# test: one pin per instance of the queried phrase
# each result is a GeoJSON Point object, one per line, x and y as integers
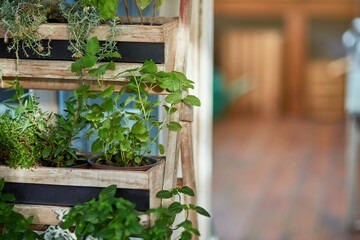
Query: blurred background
{"type": "Point", "coordinates": [285, 146]}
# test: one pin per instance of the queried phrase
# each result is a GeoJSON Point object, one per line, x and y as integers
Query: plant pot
{"type": "Point", "coordinates": [94, 165]}
{"type": "Point", "coordinates": [81, 164]}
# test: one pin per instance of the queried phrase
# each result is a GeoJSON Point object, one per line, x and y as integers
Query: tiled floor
{"type": "Point", "coordinates": [279, 180]}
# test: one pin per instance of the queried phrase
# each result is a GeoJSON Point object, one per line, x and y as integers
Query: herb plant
{"type": "Point", "coordinates": [124, 137]}
{"type": "Point", "coordinates": [111, 218]}
{"type": "Point", "coordinates": [20, 144]}
{"type": "Point", "coordinates": [163, 228]}
{"type": "Point", "coordinates": [22, 18]}
{"type": "Point", "coordinates": [14, 225]}
{"type": "Point", "coordinates": [106, 218]}
{"type": "Point", "coordinates": [56, 138]}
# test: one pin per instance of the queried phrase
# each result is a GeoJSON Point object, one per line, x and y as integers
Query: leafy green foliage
{"type": "Point", "coordinates": [106, 218]}
{"type": "Point", "coordinates": [20, 144]}
{"type": "Point", "coordinates": [60, 152]}
{"type": "Point", "coordinates": [53, 140]}
{"type": "Point", "coordinates": [94, 53]}
{"type": "Point", "coordinates": [163, 228]}
{"type": "Point", "coordinates": [14, 225]}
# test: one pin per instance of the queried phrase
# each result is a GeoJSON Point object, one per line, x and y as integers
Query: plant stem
{"type": "Point", "coordinates": [127, 11]}
{"type": "Point", "coordinates": [140, 12]}
{"type": "Point", "coordinates": [154, 14]}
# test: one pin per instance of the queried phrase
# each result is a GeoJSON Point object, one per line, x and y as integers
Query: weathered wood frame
{"type": "Point", "coordinates": [151, 180]}
{"type": "Point", "coordinates": [37, 74]}
{"type": "Point", "coordinates": [56, 75]}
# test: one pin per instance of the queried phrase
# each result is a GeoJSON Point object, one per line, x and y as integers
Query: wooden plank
{"type": "Point", "coordinates": [44, 214]}
{"type": "Point", "coordinates": [57, 70]}
{"type": "Point", "coordinates": [188, 167]}
{"type": "Point", "coordinates": [255, 9]}
{"type": "Point", "coordinates": [171, 39]}
{"type": "Point", "coordinates": [56, 75]}
{"type": "Point", "coordinates": [186, 113]}
{"type": "Point", "coordinates": [296, 54]}
{"type": "Point", "coordinates": [156, 180]}
{"type": "Point", "coordinates": [78, 177]}
{"type": "Point", "coordinates": [129, 33]}
{"type": "Point", "coordinates": [172, 157]}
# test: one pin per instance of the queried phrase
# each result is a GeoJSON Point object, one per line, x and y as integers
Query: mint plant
{"type": "Point", "coordinates": [123, 137]}
{"type": "Point", "coordinates": [107, 218]}
{"type": "Point", "coordinates": [93, 54]}
{"type": "Point", "coordinates": [163, 228]}
{"type": "Point", "coordinates": [13, 224]}
{"type": "Point", "coordinates": [111, 218]}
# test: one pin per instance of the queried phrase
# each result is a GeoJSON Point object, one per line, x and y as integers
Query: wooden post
{"type": "Point", "coordinates": [170, 177]}
{"type": "Point", "coordinates": [352, 173]}
{"type": "Point", "coordinates": [296, 54]}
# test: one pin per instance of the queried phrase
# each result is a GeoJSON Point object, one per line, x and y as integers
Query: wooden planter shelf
{"type": "Point", "coordinates": [150, 180]}
{"type": "Point", "coordinates": [136, 43]}
{"type": "Point", "coordinates": [165, 42]}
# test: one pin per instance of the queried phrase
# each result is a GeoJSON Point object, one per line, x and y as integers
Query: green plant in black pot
{"type": "Point", "coordinates": [56, 138]}
{"type": "Point", "coordinates": [123, 137]}
{"type": "Point", "coordinates": [66, 129]}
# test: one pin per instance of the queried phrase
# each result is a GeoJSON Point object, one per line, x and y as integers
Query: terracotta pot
{"type": "Point", "coordinates": [93, 165]}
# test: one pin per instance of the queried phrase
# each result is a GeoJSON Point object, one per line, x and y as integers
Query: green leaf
{"type": "Point", "coordinates": [202, 211]}
{"type": "Point", "coordinates": [92, 217]}
{"type": "Point", "coordinates": [175, 207]}
{"type": "Point", "coordinates": [78, 65]}
{"type": "Point", "coordinates": [174, 97]}
{"type": "Point", "coordinates": [68, 223]}
{"type": "Point", "coordinates": [188, 191]}
{"type": "Point", "coordinates": [97, 146]}
{"type": "Point", "coordinates": [2, 183]}
{"type": "Point", "coordinates": [90, 228]}
{"type": "Point", "coordinates": [101, 70]}
{"type": "Point", "coordinates": [149, 67]}
{"type": "Point", "coordinates": [161, 149]}
{"type": "Point", "coordinates": [107, 8]}
{"type": "Point", "coordinates": [170, 110]}
{"type": "Point", "coordinates": [110, 66]}
{"type": "Point", "coordinates": [143, 3]}
{"type": "Point", "coordinates": [8, 197]}
{"type": "Point", "coordinates": [125, 145]}
{"type": "Point", "coordinates": [110, 191]}
{"type": "Point", "coordinates": [47, 151]}
{"type": "Point", "coordinates": [93, 46]}
{"type": "Point", "coordinates": [111, 55]}
{"type": "Point", "coordinates": [192, 100]}
{"type": "Point", "coordinates": [89, 61]}
{"type": "Point", "coordinates": [174, 126]}
{"type": "Point", "coordinates": [164, 194]}
{"type": "Point", "coordinates": [186, 235]}
{"type": "Point", "coordinates": [108, 105]}
{"type": "Point", "coordinates": [129, 100]}
{"type": "Point", "coordinates": [138, 128]}
{"type": "Point", "coordinates": [107, 92]}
